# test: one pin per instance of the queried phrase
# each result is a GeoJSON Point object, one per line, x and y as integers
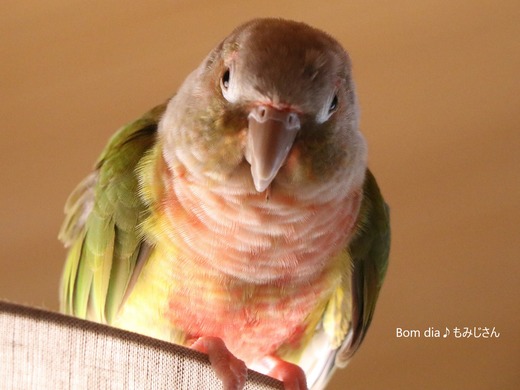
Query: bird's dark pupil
{"type": "Point", "coordinates": [225, 79]}
{"type": "Point", "coordinates": [333, 104]}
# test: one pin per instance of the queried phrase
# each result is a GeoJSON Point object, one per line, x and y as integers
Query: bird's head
{"type": "Point", "coordinates": [273, 105]}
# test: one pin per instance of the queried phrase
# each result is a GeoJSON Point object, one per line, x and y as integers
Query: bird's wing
{"type": "Point", "coordinates": [101, 227]}
{"type": "Point", "coordinates": [369, 252]}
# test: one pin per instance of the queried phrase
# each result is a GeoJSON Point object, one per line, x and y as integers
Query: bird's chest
{"type": "Point", "coordinates": [255, 276]}
{"type": "Point", "coordinates": [254, 273]}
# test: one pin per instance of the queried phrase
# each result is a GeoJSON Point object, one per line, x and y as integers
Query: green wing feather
{"type": "Point", "coordinates": [350, 310]}
{"type": "Point", "coordinates": [101, 228]}
{"type": "Point", "coordinates": [369, 252]}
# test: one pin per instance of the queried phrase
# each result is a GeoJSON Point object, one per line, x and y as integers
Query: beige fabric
{"type": "Point", "coordinates": [45, 350]}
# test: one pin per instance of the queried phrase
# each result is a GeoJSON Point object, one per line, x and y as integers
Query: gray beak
{"type": "Point", "coordinates": [270, 137]}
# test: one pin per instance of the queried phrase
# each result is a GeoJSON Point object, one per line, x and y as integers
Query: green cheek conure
{"type": "Point", "coordinates": [239, 218]}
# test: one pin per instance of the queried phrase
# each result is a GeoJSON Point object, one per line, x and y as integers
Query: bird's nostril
{"type": "Point", "coordinates": [293, 121]}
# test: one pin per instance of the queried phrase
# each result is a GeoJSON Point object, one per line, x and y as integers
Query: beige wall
{"type": "Point", "coordinates": [439, 87]}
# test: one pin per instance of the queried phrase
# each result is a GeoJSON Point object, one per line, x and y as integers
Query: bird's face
{"type": "Point", "coordinates": [272, 107]}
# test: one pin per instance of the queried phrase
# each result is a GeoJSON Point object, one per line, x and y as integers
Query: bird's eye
{"type": "Point", "coordinates": [224, 81]}
{"type": "Point", "coordinates": [333, 104]}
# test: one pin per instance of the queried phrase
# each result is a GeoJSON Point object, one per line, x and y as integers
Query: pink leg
{"type": "Point", "coordinates": [290, 374]}
{"type": "Point", "coordinates": [228, 368]}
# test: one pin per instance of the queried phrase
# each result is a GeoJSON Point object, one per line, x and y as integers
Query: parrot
{"type": "Point", "coordinates": [239, 218]}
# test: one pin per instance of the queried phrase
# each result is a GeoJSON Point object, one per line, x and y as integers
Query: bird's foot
{"type": "Point", "coordinates": [292, 376]}
{"type": "Point", "coordinates": [228, 368]}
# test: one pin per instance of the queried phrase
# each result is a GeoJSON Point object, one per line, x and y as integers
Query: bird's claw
{"type": "Point", "coordinates": [228, 368]}
{"type": "Point", "coordinates": [292, 376]}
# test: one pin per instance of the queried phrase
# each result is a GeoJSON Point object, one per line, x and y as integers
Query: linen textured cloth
{"type": "Point", "coordinates": [45, 350]}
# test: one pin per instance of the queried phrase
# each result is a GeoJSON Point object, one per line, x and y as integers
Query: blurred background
{"type": "Point", "coordinates": [439, 88]}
